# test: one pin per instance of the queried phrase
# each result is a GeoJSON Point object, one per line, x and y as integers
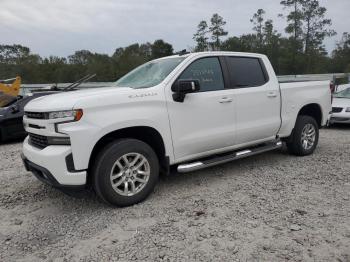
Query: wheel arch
{"type": "Point", "coordinates": [147, 134]}
{"type": "Point", "coordinates": [313, 110]}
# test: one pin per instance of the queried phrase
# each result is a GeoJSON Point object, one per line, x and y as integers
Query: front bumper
{"type": "Point", "coordinates": [52, 166]}
{"type": "Point", "coordinates": [343, 117]}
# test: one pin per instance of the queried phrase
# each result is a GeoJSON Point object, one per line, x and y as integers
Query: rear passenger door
{"type": "Point", "coordinates": [257, 100]}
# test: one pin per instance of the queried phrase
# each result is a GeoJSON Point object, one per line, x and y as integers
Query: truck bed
{"type": "Point", "coordinates": [296, 94]}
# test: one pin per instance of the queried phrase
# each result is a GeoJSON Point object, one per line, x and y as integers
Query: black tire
{"type": "Point", "coordinates": [104, 163]}
{"type": "Point", "coordinates": [294, 143]}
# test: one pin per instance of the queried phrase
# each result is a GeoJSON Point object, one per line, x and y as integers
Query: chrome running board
{"type": "Point", "coordinates": [228, 157]}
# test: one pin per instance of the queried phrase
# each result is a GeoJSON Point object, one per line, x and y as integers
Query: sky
{"type": "Point", "coordinates": [60, 27]}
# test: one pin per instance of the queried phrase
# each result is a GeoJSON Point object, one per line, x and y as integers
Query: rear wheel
{"type": "Point", "coordinates": [125, 172]}
{"type": "Point", "coordinates": [304, 138]}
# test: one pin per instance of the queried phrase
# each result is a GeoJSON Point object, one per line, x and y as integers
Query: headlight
{"type": "Point", "coordinates": [347, 109]}
{"type": "Point", "coordinates": [76, 114]}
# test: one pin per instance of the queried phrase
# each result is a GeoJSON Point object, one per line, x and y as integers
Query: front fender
{"type": "Point", "coordinates": [84, 136]}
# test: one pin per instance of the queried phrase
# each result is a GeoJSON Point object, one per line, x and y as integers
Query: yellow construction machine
{"type": "Point", "coordinates": [10, 89]}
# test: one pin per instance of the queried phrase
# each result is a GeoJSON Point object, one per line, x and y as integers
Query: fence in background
{"type": "Point", "coordinates": [339, 78]}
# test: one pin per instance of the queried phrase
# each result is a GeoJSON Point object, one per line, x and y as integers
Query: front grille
{"type": "Point", "coordinates": [337, 109]}
{"type": "Point", "coordinates": [35, 115]}
{"type": "Point", "coordinates": [38, 141]}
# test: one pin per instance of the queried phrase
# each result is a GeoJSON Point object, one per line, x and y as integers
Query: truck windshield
{"type": "Point", "coordinates": [343, 94]}
{"type": "Point", "coordinates": [149, 74]}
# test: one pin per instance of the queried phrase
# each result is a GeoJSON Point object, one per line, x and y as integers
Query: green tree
{"type": "Point", "coordinates": [161, 49]}
{"type": "Point", "coordinates": [81, 57]}
{"type": "Point", "coordinates": [270, 35]}
{"type": "Point", "coordinates": [258, 22]}
{"type": "Point", "coordinates": [316, 29]}
{"type": "Point", "coordinates": [201, 37]}
{"type": "Point", "coordinates": [126, 59]}
{"type": "Point", "coordinates": [101, 65]}
{"type": "Point", "coordinates": [52, 70]}
{"type": "Point", "coordinates": [13, 54]}
{"type": "Point", "coordinates": [341, 55]}
{"type": "Point", "coordinates": [294, 18]}
{"type": "Point", "coordinates": [294, 28]}
{"type": "Point", "coordinates": [316, 25]}
{"type": "Point", "coordinates": [17, 60]}
{"type": "Point", "coordinates": [232, 43]}
{"type": "Point", "coordinates": [78, 63]}
{"type": "Point", "coordinates": [217, 31]}
{"type": "Point", "coordinates": [273, 47]}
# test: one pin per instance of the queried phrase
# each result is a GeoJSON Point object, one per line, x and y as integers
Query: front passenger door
{"type": "Point", "coordinates": [205, 121]}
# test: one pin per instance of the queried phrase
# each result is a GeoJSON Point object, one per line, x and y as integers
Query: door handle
{"type": "Point", "coordinates": [272, 94]}
{"type": "Point", "coordinates": [225, 100]}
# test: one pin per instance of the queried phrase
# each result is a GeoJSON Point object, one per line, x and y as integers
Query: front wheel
{"type": "Point", "coordinates": [125, 172]}
{"type": "Point", "coordinates": [304, 138]}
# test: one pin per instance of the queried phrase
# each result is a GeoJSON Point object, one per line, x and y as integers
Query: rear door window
{"type": "Point", "coordinates": [245, 72]}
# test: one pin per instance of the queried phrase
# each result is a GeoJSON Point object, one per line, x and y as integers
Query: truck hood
{"type": "Point", "coordinates": [67, 100]}
{"type": "Point", "coordinates": [341, 102]}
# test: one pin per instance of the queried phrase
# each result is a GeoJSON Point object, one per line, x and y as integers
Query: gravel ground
{"type": "Point", "coordinates": [271, 207]}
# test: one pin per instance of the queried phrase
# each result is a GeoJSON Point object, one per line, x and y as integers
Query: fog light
{"type": "Point", "coordinates": [58, 140]}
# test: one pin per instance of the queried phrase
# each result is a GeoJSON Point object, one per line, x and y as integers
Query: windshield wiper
{"type": "Point", "coordinates": [78, 82]}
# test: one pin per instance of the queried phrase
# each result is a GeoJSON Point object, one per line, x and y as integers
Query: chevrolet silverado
{"type": "Point", "coordinates": [187, 111]}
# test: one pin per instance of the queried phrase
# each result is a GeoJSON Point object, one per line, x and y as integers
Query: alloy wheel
{"type": "Point", "coordinates": [130, 174]}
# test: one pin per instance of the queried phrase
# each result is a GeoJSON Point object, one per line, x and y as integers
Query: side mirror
{"type": "Point", "coordinates": [14, 109]}
{"type": "Point", "coordinates": [183, 87]}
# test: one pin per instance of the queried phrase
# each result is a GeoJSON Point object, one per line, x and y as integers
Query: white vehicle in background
{"type": "Point", "coordinates": [341, 107]}
{"type": "Point", "coordinates": [188, 111]}
{"type": "Point", "coordinates": [342, 87]}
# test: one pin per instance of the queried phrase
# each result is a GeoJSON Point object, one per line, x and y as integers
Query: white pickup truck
{"type": "Point", "coordinates": [187, 111]}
